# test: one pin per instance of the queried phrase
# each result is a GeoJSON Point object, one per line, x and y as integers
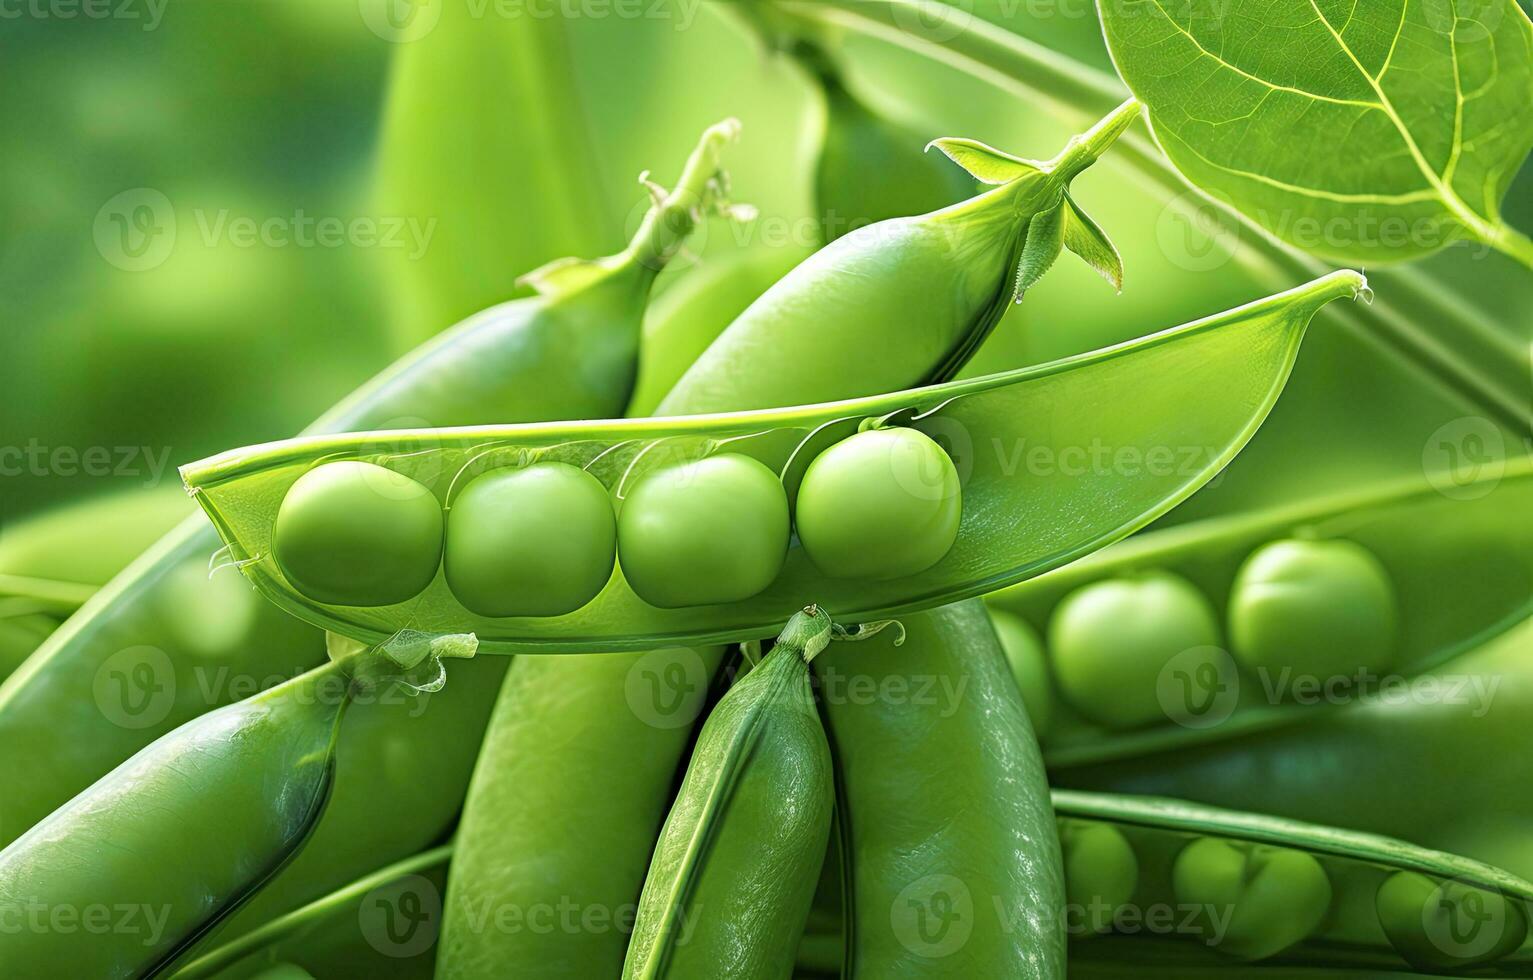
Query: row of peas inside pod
{"type": "Point", "coordinates": [1163, 881]}
{"type": "Point", "coordinates": [1217, 626]}
{"type": "Point", "coordinates": [887, 520]}
{"type": "Point", "coordinates": [541, 539]}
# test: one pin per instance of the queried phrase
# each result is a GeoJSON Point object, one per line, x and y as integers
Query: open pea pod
{"type": "Point", "coordinates": [1194, 394]}
{"type": "Point", "coordinates": [1458, 560]}
{"type": "Point", "coordinates": [1197, 885]}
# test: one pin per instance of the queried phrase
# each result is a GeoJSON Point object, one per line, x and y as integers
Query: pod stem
{"type": "Point", "coordinates": [702, 188]}
{"type": "Point", "coordinates": [1085, 149]}
{"type": "Point", "coordinates": [810, 631]}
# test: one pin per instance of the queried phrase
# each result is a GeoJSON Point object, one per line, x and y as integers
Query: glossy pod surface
{"type": "Point", "coordinates": [734, 871]}
{"type": "Point", "coordinates": [230, 796]}
{"type": "Point", "coordinates": [1244, 355]}
{"type": "Point", "coordinates": [1426, 546]}
{"type": "Point", "coordinates": [951, 860]}
{"type": "Point", "coordinates": [1251, 886]}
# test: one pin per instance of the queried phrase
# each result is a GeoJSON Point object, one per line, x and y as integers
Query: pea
{"type": "Point", "coordinates": [1257, 900]}
{"type": "Point", "coordinates": [711, 531]}
{"type": "Point", "coordinates": [1110, 641]}
{"type": "Point", "coordinates": [1101, 873]}
{"type": "Point", "coordinates": [882, 504]}
{"type": "Point", "coordinates": [357, 534]}
{"type": "Point", "coordinates": [1024, 652]}
{"type": "Point", "coordinates": [1315, 608]}
{"type": "Point", "coordinates": [1447, 925]}
{"type": "Point", "coordinates": [538, 541]}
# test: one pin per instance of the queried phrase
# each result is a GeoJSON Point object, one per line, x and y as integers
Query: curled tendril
{"type": "Point", "coordinates": [863, 631]}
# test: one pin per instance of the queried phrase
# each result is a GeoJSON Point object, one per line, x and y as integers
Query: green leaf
{"type": "Point", "coordinates": [1373, 130]}
{"type": "Point", "coordinates": [984, 163]}
{"type": "Point", "coordinates": [1086, 239]}
{"type": "Point", "coordinates": [1045, 239]}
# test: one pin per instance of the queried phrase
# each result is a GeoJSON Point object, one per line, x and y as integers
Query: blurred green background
{"type": "Point", "coordinates": [478, 140]}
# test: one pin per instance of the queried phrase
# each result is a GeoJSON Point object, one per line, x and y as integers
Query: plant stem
{"type": "Point", "coordinates": [672, 218]}
{"type": "Point", "coordinates": [283, 926]}
{"type": "Point", "coordinates": [1079, 93]}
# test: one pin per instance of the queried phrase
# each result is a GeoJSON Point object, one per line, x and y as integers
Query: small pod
{"type": "Point", "coordinates": [185, 831]}
{"type": "Point", "coordinates": [947, 833]}
{"type": "Point", "coordinates": [734, 872]}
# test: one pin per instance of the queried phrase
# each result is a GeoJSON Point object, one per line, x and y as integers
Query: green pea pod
{"type": "Point", "coordinates": [687, 317]}
{"type": "Point", "coordinates": [952, 273]}
{"type": "Point", "coordinates": [734, 873]}
{"type": "Point", "coordinates": [951, 858]}
{"type": "Point", "coordinates": [1214, 883]}
{"type": "Point", "coordinates": [1231, 367]}
{"type": "Point", "coordinates": [1458, 568]}
{"type": "Point", "coordinates": [129, 873]}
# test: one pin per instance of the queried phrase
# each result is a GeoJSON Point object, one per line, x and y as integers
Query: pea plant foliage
{"type": "Point", "coordinates": [1362, 130]}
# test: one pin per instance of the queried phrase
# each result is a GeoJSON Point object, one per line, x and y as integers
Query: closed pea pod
{"type": "Point", "coordinates": [1024, 652]}
{"type": "Point", "coordinates": [736, 865]}
{"type": "Point", "coordinates": [952, 860]}
{"type": "Point", "coordinates": [185, 831]}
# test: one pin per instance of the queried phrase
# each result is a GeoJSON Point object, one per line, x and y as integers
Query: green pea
{"type": "Point", "coordinates": [1024, 652]}
{"type": "Point", "coordinates": [1446, 925]}
{"type": "Point", "coordinates": [357, 534]}
{"type": "Point", "coordinates": [1111, 641]}
{"type": "Point", "coordinates": [1101, 874]}
{"type": "Point", "coordinates": [711, 531]}
{"type": "Point", "coordinates": [538, 541]}
{"type": "Point", "coordinates": [1255, 900]}
{"type": "Point", "coordinates": [882, 504]}
{"type": "Point", "coordinates": [1315, 608]}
